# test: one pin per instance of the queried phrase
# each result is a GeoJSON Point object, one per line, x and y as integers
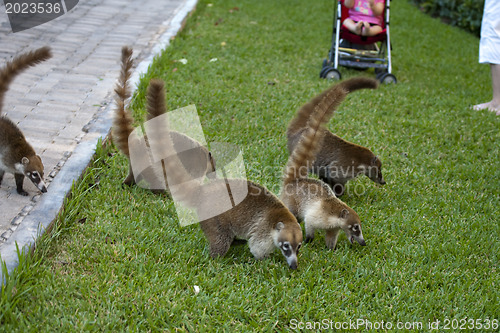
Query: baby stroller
{"type": "Point", "coordinates": [359, 52]}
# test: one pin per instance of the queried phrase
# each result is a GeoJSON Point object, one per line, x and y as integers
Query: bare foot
{"type": "Point", "coordinates": [359, 26]}
{"type": "Point", "coordinates": [365, 29]}
{"type": "Point", "coordinates": [489, 106]}
{"type": "Point", "coordinates": [483, 106]}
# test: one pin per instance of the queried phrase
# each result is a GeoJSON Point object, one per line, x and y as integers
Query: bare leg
{"type": "Point", "coordinates": [494, 104]}
{"type": "Point", "coordinates": [353, 26]}
{"type": "Point", "coordinates": [370, 30]}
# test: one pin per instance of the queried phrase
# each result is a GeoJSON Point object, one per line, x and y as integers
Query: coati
{"type": "Point", "coordinates": [311, 200]}
{"type": "Point", "coordinates": [253, 213]}
{"type": "Point", "coordinates": [199, 159]}
{"type": "Point", "coordinates": [17, 156]}
{"type": "Point", "coordinates": [337, 161]}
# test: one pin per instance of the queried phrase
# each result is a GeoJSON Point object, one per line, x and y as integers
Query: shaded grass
{"type": "Point", "coordinates": [117, 259]}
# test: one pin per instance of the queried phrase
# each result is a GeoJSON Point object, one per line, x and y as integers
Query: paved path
{"type": "Point", "coordinates": [65, 104]}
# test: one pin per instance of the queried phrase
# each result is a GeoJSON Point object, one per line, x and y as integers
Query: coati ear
{"type": "Point", "coordinates": [279, 226]}
{"type": "Point", "coordinates": [344, 213]}
{"type": "Point", "coordinates": [25, 161]}
{"type": "Point", "coordinates": [374, 160]}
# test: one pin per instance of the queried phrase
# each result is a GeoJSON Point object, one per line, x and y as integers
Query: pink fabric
{"type": "Point", "coordinates": [361, 11]}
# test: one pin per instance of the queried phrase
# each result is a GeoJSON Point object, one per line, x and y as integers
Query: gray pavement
{"type": "Point", "coordinates": [64, 105]}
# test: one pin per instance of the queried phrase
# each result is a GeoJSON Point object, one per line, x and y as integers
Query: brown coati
{"type": "Point", "coordinates": [198, 158]}
{"type": "Point", "coordinates": [337, 161]}
{"type": "Point", "coordinates": [235, 209]}
{"type": "Point", "coordinates": [311, 200]}
{"type": "Point", "coordinates": [17, 156]}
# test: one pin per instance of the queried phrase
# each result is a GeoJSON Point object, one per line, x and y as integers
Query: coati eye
{"type": "Point", "coordinates": [286, 249]}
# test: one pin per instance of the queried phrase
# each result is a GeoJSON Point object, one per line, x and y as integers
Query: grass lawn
{"type": "Point", "coordinates": [117, 259]}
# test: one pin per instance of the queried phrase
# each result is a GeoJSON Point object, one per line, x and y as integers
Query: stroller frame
{"type": "Point", "coordinates": [363, 53]}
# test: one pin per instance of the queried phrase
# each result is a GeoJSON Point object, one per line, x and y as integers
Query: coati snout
{"type": "Point", "coordinates": [33, 170]}
{"type": "Point", "coordinates": [352, 227]}
{"type": "Point", "coordinates": [375, 171]}
{"type": "Point", "coordinates": [289, 242]}
{"type": "Point", "coordinates": [354, 234]}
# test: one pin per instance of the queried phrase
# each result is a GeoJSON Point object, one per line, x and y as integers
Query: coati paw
{"type": "Point", "coordinates": [23, 193]}
{"type": "Point", "coordinates": [215, 255]}
{"type": "Point", "coordinates": [331, 245]}
{"type": "Point", "coordinates": [219, 250]}
{"type": "Point", "coordinates": [127, 183]}
{"type": "Point", "coordinates": [309, 239]}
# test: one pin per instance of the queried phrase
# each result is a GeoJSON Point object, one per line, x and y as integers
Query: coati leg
{"type": "Point", "coordinates": [331, 238]}
{"type": "Point", "coordinates": [238, 241]}
{"type": "Point", "coordinates": [337, 187]}
{"type": "Point", "coordinates": [218, 238]}
{"type": "Point", "coordinates": [130, 178]}
{"type": "Point", "coordinates": [129, 181]}
{"type": "Point", "coordinates": [219, 247]}
{"type": "Point", "coordinates": [309, 232]}
{"type": "Point", "coordinates": [19, 184]}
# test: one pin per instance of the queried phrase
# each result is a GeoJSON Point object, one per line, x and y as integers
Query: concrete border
{"type": "Point", "coordinates": [45, 212]}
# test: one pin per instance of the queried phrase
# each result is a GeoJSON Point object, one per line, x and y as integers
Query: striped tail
{"type": "Point", "coordinates": [156, 105]}
{"type": "Point", "coordinates": [308, 146]}
{"type": "Point", "coordinates": [122, 123]}
{"type": "Point", "coordinates": [302, 117]}
{"type": "Point", "coordinates": [18, 65]}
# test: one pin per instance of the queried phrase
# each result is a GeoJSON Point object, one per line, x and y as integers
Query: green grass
{"type": "Point", "coordinates": [118, 261]}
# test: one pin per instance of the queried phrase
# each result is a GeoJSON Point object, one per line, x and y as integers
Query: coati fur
{"type": "Point", "coordinates": [123, 121]}
{"type": "Point", "coordinates": [337, 161]}
{"type": "Point", "coordinates": [311, 200]}
{"type": "Point", "coordinates": [199, 159]}
{"type": "Point", "coordinates": [260, 218]}
{"type": "Point", "coordinates": [17, 156]}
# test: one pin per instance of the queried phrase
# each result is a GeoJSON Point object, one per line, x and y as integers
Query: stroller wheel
{"type": "Point", "coordinates": [322, 72]}
{"type": "Point", "coordinates": [379, 73]}
{"type": "Point", "coordinates": [387, 78]}
{"type": "Point", "coordinates": [331, 73]}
